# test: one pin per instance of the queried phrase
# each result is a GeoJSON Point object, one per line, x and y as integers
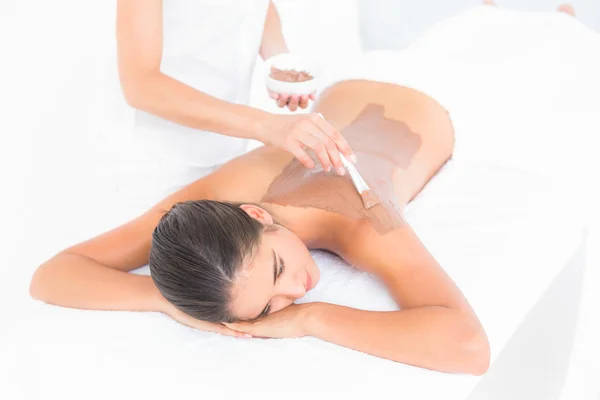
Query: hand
{"type": "Point", "coordinates": [295, 133]}
{"type": "Point", "coordinates": [289, 322]}
{"type": "Point", "coordinates": [192, 322]}
{"type": "Point", "coordinates": [291, 101]}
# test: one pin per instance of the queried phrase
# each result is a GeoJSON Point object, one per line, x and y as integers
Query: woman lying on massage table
{"type": "Point", "coordinates": [233, 247]}
{"type": "Point", "coordinates": [229, 253]}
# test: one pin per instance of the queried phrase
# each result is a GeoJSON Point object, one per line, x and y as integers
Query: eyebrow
{"type": "Point", "coordinates": [264, 311]}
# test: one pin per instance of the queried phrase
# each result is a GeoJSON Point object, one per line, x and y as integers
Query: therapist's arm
{"type": "Point", "coordinates": [273, 42]}
{"type": "Point", "coordinates": [139, 50]}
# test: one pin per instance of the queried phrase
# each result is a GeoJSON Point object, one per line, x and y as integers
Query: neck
{"type": "Point", "coordinates": [315, 227]}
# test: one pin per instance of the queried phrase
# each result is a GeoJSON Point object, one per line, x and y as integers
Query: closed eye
{"type": "Point", "coordinates": [281, 267]}
{"type": "Point", "coordinates": [278, 269]}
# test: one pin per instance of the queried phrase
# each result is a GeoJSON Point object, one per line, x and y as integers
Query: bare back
{"type": "Point", "coordinates": [248, 178]}
{"type": "Point", "coordinates": [401, 138]}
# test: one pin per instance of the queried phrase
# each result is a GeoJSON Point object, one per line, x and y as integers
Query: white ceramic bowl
{"type": "Point", "coordinates": [295, 62]}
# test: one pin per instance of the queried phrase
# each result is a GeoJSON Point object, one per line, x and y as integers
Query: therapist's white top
{"type": "Point", "coordinates": [212, 46]}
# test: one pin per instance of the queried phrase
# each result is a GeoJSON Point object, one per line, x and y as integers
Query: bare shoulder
{"type": "Point", "coordinates": [247, 178]}
{"type": "Point", "coordinates": [402, 261]}
{"type": "Point", "coordinates": [242, 179]}
{"type": "Point", "coordinates": [367, 249]}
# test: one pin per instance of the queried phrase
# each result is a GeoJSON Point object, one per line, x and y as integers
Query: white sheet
{"type": "Point", "coordinates": [501, 234]}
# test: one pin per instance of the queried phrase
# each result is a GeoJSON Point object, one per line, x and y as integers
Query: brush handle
{"type": "Point", "coordinates": [358, 181]}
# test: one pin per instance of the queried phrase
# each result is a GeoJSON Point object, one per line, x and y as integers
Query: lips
{"type": "Point", "coordinates": [308, 283]}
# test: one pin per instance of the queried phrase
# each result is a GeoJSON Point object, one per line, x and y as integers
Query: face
{"type": "Point", "coordinates": [280, 272]}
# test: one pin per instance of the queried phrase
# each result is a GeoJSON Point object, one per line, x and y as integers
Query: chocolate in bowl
{"type": "Point", "coordinates": [290, 75]}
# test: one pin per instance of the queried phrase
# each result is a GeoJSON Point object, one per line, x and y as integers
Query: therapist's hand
{"type": "Point", "coordinates": [298, 133]}
{"type": "Point", "coordinates": [291, 101]}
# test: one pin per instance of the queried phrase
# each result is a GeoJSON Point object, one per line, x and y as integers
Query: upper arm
{"type": "Point", "coordinates": [244, 178]}
{"type": "Point", "coordinates": [411, 273]}
{"type": "Point", "coordinates": [127, 247]}
{"type": "Point", "coordinates": [139, 41]}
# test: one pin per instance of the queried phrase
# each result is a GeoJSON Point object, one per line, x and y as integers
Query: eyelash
{"type": "Point", "coordinates": [282, 268]}
{"type": "Point", "coordinates": [267, 310]}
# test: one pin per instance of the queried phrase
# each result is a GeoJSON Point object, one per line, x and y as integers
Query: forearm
{"type": "Point", "coordinates": [273, 42]}
{"type": "Point", "coordinates": [74, 281]}
{"type": "Point", "coordinates": [168, 98]}
{"type": "Point", "coordinates": [436, 338]}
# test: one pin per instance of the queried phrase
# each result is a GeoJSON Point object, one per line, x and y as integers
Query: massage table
{"type": "Point", "coordinates": [494, 230]}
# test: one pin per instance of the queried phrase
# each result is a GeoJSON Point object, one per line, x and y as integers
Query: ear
{"type": "Point", "coordinates": [259, 214]}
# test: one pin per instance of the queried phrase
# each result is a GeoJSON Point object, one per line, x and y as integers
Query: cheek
{"type": "Point", "coordinates": [297, 255]}
{"type": "Point", "coordinates": [302, 253]}
{"type": "Point", "coordinates": [294, 247]}
{"type": "Point", "coordinates": [306, 262]}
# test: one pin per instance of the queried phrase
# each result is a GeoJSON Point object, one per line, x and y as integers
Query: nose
{"type": "Point", "coordinates": [294, 288]}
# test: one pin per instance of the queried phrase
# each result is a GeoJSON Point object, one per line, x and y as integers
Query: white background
{"type": "Point", "coordinates": [56, 172]}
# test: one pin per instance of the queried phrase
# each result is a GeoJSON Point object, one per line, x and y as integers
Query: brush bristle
{"type": "Point", "coordinates": [369, 199]}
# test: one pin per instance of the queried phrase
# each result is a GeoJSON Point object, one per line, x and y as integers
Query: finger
{"type": "Point", "coordinates": [283, 100]}
{"type": "Point", "coordinates": [303, 102]}
{"type": "Point", "coordinates": [302, 156]}
{"type": "Point", "coordinates": [293, 103]}
{"type": "Point", "coordinates": [340, 141]}
{"type": "Point", "coordinates": [235, 330]}
{"type": "Point", "coordinates": [320, 150]}
{"type": "Point", "coordinates": [226, 331]}
{"type": "Point", "coordinates": [273, 95]}
{"type": "Point", "coordinates": [312, 96]}
{"type": "Point", "coordinates": [333, 154]}
{"type": "Point", "coordinates": [251, 328]}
